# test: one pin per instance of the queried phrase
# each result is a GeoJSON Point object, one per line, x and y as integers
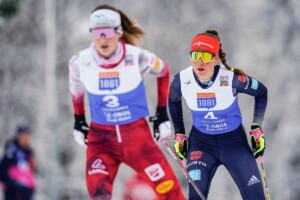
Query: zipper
{"type": "Point", "coordinates": [118, 133]}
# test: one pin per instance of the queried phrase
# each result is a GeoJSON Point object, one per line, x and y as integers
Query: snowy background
{"type": "Point", "coordinates": [260, 37]}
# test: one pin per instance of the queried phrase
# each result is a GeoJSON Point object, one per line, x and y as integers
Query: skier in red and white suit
{"type": "Point", "coordinates": [111, 72]}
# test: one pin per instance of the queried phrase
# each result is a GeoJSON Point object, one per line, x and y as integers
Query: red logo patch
{"type": "Point", "coordinates": [195, 155]}
{"type": "Point", "coordinates": [242, 78]}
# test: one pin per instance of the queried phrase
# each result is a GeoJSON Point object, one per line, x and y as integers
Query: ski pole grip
{"type": "Point", "coordinates": [261, 159]}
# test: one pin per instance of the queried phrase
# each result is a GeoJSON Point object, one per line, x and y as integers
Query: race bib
{"type": "Point", "coordinates": [109, 80]}
{"type": "Point", "coordinates": [206, 100]}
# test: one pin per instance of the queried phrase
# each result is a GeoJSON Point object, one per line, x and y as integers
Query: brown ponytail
{"type": "Point", "coordinates": [222, 54]}
{"type": "Point", "coordinates": [132, 33]}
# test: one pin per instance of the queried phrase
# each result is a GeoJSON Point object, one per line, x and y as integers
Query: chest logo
{"type": "Point", "coordinates": [224, 81]}
{"type": "Point", "coordinates": [128, 60]}
{"type": "Point", "coordinates": [187, 82]}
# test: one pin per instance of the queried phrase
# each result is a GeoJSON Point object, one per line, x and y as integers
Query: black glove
{"type": "Point", "coordinates": [81, 130]}
{"type": "Point", "coordinates": [161, 117]}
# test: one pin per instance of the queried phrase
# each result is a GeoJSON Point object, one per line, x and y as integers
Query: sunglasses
{"type": "Point", "coordinates": [205, 56]}
{"type": "Point", "coordinates": [107, 32]}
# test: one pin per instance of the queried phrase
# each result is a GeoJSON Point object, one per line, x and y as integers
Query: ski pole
{"type": "Point", "coordinates": [184, 170]}
{"type": "Point", "coordinates": [261, 161]}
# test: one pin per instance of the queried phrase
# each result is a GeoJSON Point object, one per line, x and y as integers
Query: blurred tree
{"type": "Point", "coordinates": [9, 8]}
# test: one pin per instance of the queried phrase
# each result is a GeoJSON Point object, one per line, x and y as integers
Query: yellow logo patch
{"type": "Point", "coordinates": [165, 186]}
{"type": "Point", "coordinates": [156, 66]}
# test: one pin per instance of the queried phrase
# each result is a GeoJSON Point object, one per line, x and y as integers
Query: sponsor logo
{"type": "Point", "coordinates": [97, 168]}
{"type": "Point", "coordinates": [219, 126]}
{"type": "Point", "coordinates": [242, 78]}
{"type": "Point", "coordinates": [204, 44]}
{"type": "Point", "coordinates": [195, 155]}
{"type": "Point", "coordinates": [254, 84]}
{"type": "Point", "coordinates": [113, 111]}
{"type": "Point", "coordinates": [165, 186]}
{"type": "Point", "coordinates": [210, 115]}
{"type": "Point", "coordinates": [155, 172]}
{"type": "Point", "coordinates": [203, 164]}
{"type": "Point", "coordinates": [98, 164]}
{"type": "Point", "coordinates": [253, 180]}
{"type": "Point", "coordinates": [224, 81]}
{"type": "Point", "coordinates": [247, 85]}
{"type": "Point", "coordinates": [102, 19]}
{"type": "Point", "coordinates": [157, 65]}
{"type": "Point", "coordinates": [213, 123]}
{"type": "Point", "coordinates": [187, 82]}
{"type": "Point", "coordinates": [128, 60]}
{"type": "Point", "coordinates": [195, 174]}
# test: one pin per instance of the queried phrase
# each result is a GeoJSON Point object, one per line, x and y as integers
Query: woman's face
{"type": "Point", "coordinates": [205, 70]}
{"type": "Point", "coordinates": [24, 139]}
{"type": "Point", "coordinates": [106, 40]}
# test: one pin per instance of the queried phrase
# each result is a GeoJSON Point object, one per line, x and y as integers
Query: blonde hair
{"type": "Point", "coordinates": [132, 33]}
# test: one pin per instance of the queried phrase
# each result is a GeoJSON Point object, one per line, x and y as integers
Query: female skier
{"type": "Point", "coordinates": [111, 72]}
{"type": "Point", "coordinates": [210, 88]}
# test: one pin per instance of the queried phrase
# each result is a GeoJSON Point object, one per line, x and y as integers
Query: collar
{"type": "Point", "coordinates": [211, 81]}
{"type": "Point", "coordinates": [112, 61]}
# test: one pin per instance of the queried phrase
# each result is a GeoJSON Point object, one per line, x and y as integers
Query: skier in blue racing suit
{"type": "Point", "coordinates": [210, 89]}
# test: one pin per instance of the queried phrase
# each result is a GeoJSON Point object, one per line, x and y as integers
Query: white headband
{"type": "Point", "coordinates": [105, 18]}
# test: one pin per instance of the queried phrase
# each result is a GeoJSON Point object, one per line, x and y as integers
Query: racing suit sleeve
{"type": "Point", "coordinates": [249, 85]}
{"type": "Point", "coordinates": [76, 86]}
{"type": "Point", "coordinates": [151, 64]}
{"type": "Point", "coordinates": [175, 105]}
{"type": "Point", "coordinates": [5, 163]}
